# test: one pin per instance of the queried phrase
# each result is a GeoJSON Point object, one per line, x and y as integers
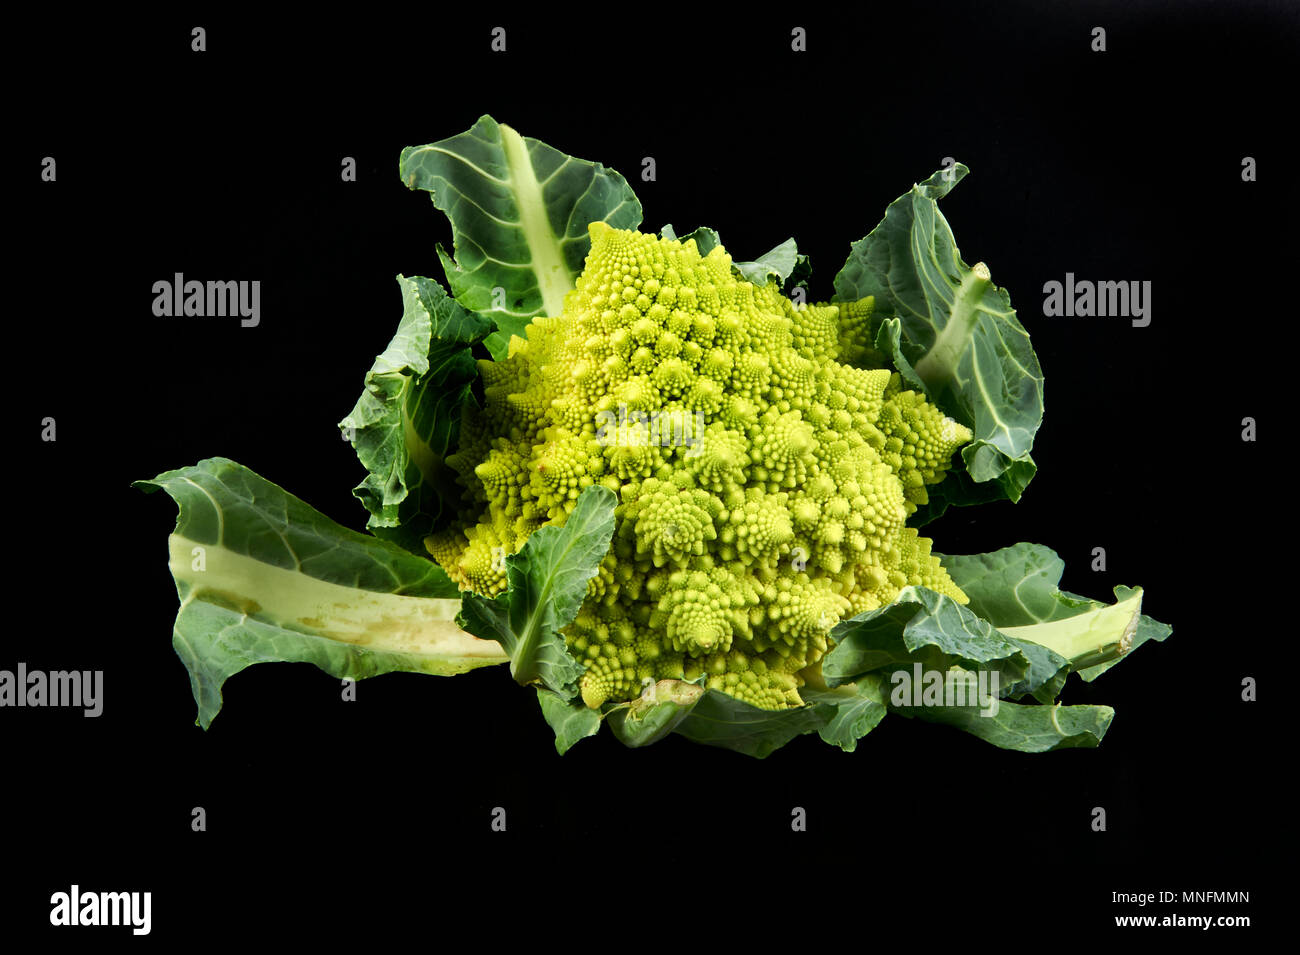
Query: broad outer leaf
{"type": "Point", "coordinates": [1027, 728]}
{"type": "Point", "coordinates": [854, 710]}
{"type": "Point", "coordinates": [926, 628]}
{"type": "Point", "coordinates": [975, 358]}
{"type": "Point", "coordinates": [720, 720]}
{"type": "Point", "coordinates": [1047, 673]}
{"type": "Point", "coordinates": [1015, 586]}
{"type": "Point", "coordinates": [571, 721]}
{"type": "Point", "coordinates": [1017, 589]}
{"type": "Point", "coordinates": [842, 716]}
{"type": "Point", "coordinates": [408, 417]}
{"type": "Point", "coordinates": [263, 577]}
{"type": "Point", "coordinates": [547, 584]}
{"type": "Point", "coordinates": [519, 212]}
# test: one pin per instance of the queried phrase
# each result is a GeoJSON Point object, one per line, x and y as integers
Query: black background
{"type": "Point", "coordinates": [374, 815]}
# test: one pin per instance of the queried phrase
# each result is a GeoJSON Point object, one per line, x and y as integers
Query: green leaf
{"type": "Point", "coordinates": [1027, 728]}
{"type": "Point", "coordinates": [263, 577]}
{"type": "Point", "coordinates": [1017, 590]}
{"type": "Point", "coordinates": [571, 721]}
{"type": "Point", "coordinates": [801, 274]}
{"type": "Point", "coordinates": [926, 628]}
{"type": "Point", "coordinates": [777, 264]}
{"type": "Point", "coordinates": [1047, 673]}
{"type": "Point", "coordinates": [957, 490]}
{"type": "Point", "coordinates": [547, 584]}
{"type": "Point", "coordinates": [842, 716]}
{"type": "Point", "coordinates": [961, 334]}
{"type": "Point", "coordinates": [717, 719]}
{"type": "Point", "coordinates": [1016, 586]}
{"type": "Point", "coordinates": [853, 710]}
{"type": "Point", "coordinates": [1147, 629]}
{"type": "Point", "coordinates": [408, 416]}
{"type": "Point", "coordinates": [706, 239]}
{"type": "Point", "coordinates": [1098, 636]}
{"type": "Point", "coordinates": [891, 346]}
{"type": "Point", "coordinates": [654, 714]}
{"type": "Point", "coordinates": [519, 212]}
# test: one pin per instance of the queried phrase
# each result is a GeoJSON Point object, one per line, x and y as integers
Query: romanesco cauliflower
{"type": "Point", "coordinates": [763, 480]}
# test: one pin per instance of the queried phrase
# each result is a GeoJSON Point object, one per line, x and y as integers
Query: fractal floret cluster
{"type": "Point", "coordinates": [763, 482]}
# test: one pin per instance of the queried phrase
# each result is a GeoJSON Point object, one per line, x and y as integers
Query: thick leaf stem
{"type": "Point", "coordinates": [937, 367]}
{"type": "Point", "coordinates": [1090, 638]}
{"type": "Point", "coordinates": [553, 278]}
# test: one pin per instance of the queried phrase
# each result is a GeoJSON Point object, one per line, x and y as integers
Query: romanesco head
{"type": "Point", "coordinates": [764, 483]}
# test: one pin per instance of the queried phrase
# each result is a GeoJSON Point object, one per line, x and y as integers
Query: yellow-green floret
{"type": "Point", "coordinates": [763, 481]}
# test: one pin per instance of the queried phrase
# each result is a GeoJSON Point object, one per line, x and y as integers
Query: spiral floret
{"type": "Point", "coordinates": [764, 478]}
